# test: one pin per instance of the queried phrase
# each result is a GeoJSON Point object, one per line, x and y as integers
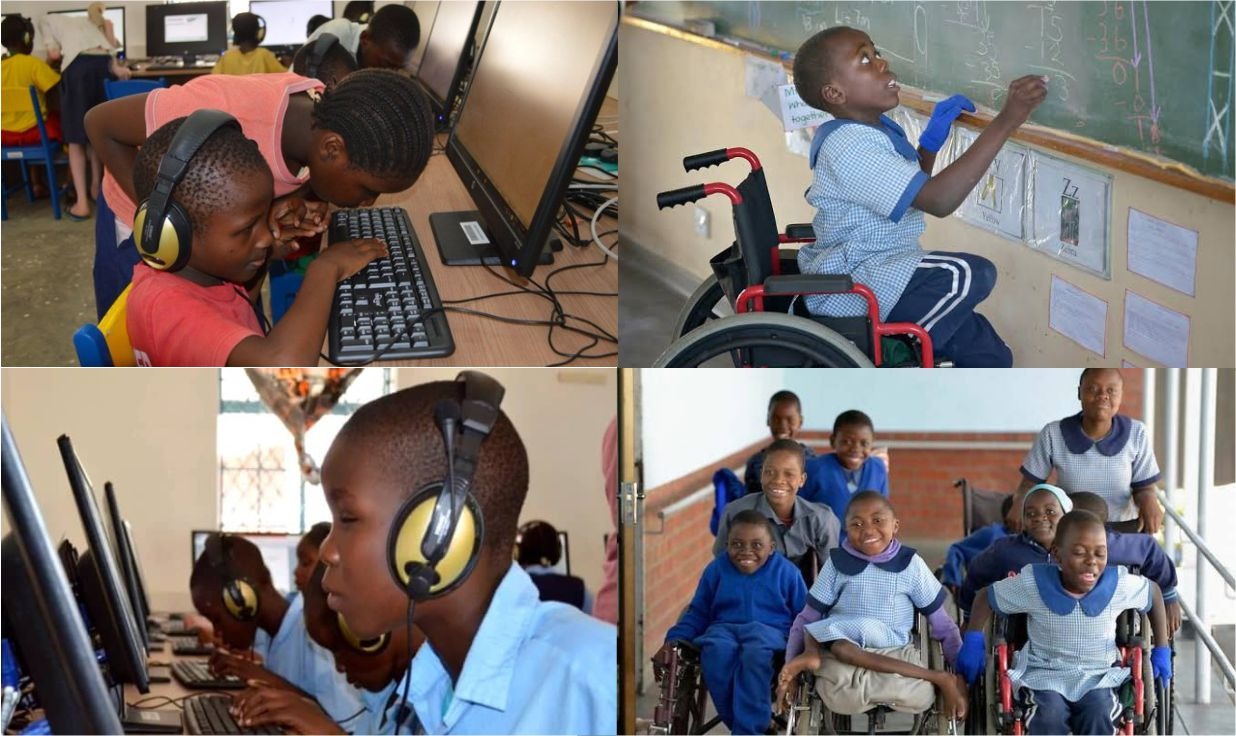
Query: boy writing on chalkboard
{"type": "Point", "coordinates": [870, 188]}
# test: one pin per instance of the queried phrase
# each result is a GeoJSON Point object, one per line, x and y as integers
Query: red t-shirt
{"type": "Point", "coordinates": [175, 322]}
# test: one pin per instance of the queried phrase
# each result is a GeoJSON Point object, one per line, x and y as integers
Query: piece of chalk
{"type": "Point", "coordinates": [1046, 79]}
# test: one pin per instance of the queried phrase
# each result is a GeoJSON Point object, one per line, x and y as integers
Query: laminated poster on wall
{"type": "Point", "coordinates": [1071, 206]}
{"type": "Point", "coordinates": [1153, 330]}
{"type": "Point", "coordinates": [1078, 315]}
{"type": "Point", "coordinates": [797, 114]}
{"type": "Point", "coordinates": [1162, 251]}
{"type": "Point", "coordinates": [998, 202]}
{"type": "Point", "coordinates": [763, 80]}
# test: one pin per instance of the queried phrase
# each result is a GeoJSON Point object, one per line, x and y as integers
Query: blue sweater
{"type": "Point", "coordinates": [772, 595]}
{"type": "Point", "coordinates": [1011, 554]}
{"type": "Point", "coordinates": [961, 552]}
{"type": "Point", "coordinates": [826, 483]}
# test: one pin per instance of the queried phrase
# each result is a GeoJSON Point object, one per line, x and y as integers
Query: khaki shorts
{"type": "Point", "coordinates": [851, 690]}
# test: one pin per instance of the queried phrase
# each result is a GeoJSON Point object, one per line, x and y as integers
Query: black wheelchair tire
{"type": "Point", "coordinates": [818, 345]}
{"type": "Point", "coordinates": [702, 307]}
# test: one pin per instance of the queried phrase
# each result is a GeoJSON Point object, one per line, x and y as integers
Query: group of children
{"type": "Point", "coordinates": [353, 653]}
{"type": "Point", "coordinates": [854, 627]}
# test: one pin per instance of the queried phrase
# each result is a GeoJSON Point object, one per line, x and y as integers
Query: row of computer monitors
{"type": "Point", "coordinates": [520, 107]}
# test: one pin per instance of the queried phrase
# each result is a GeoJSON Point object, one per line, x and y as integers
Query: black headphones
{"type": "Point", "coordinates": [28, 35]}
{"type": "Point", "coordinates": [240, 598]}
{"type": "Point", "coordinates": [435, 537]}
{"type": "Point", "coordinates": [162, 229]}
{"type": "Point", "coordinates": [364, 646]}
{"type": "Point", "coordinates": [317, 52]}
{"type": "Point", "coordinates": [261, 31]}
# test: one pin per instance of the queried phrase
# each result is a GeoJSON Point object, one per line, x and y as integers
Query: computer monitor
{"type": "Point", "coordinates": [446, 56]}
{"type": "Point", "coordinates": [185, 29]}
{"type": "Point", "coordinates": [114, 14]}
{"type": "Point", "coordinates": [286, 20]}
{"type": "Point", "coordinates": [535, 91]}
{"type": "Point", "coordinates": [127, 558]}
{"type": "Point", "coordinates": [278, 552]}
{"type": "Point", "coordinates": [102, 589]}
{"type": "Point", "coordinates": [40, 616]}
{"type": "Point", "coordinates": [426, 12]}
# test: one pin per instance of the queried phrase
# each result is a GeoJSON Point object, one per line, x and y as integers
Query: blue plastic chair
{"type": "Point", "coordinates": [47, 151]}
{"type": "Point", "coordinates": [107, 343]}
{"type": "Point", "coordinates": [113, 89]}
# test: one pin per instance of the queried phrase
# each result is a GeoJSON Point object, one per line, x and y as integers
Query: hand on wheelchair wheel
{"type": "Point", "coordinates": [956, 702]}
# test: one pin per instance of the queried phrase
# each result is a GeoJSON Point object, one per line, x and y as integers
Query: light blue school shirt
{"type": "Point", "coordinates": [298, 659]}
{"type": "Point", "coordinates": [380, 716]}
{"type": "Point", "coordinates": [533, 667]}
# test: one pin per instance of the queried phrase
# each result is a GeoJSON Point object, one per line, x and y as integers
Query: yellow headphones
{"type": "Point", "coordinates": [240, 598]}
{"type": "Point", "coordinates": [261, 34]}
{"type": "Point", "coordinates": [435, 537]}
{"type": "Point", "coordinates": [162, 228]}
{"type": "Point", "coordinates": [364, 646]}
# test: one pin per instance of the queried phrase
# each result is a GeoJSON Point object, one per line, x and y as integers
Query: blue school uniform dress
{"type": "Point", "coordinates": [1111, 467]}
{"type": "Point", "coordinates": [864, 181]}
{"type": "Point", "coordinates": [739, 622]}
{"type": "Point", "coordinates": [298, 659]}
{"type": "Point", "coordinates": [533, 667]}
{"type": "Point", "coordinates": [1067, 663]}
{"type": "Point", "coordinates": [872, 604]}
{"type": "Point", "coordinates": [832, 485]}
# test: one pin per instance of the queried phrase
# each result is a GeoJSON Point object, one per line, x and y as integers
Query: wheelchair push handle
{"type": "Point", "coordinates": [686, 195]}
{"type": "Point", "coordinates": [719, 156]}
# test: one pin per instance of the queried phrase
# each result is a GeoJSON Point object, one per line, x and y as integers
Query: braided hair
{"type": "Point", "coordinates": [384, 119]}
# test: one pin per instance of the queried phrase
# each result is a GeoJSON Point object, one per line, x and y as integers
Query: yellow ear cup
{"type": "Point", "coordinates": [240, 600]}
{"type": "Point", "coordinates": [165, 254]}
{"type": "Point", "coordinates": [405, 545]}
{"type": "Point", "coordinates": [365, 646]}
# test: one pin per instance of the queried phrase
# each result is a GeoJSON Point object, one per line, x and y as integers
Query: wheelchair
{"type": "Point", "coordinates": [1145, 710]}
{"type": "Point", "coordinates": [683, 703]}
{"type": "Point", "coordinates": [808, 714]}
{"type": "Point", "coordinates": [746, 313]}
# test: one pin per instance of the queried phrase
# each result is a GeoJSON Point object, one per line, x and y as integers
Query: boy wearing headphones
{"type": "Point", "coordinates": [205, 222]}
{"type": "Point", "coordinates": [405, 549]}
{"type": "Point", "coordinates": [231, 586]}
{"type": "Point", "coordinates": [324, 59]}
{"type": "Point", "coordinates": [248, 30]}
{"type": "Point", "coordinates": [20, 69]}
{"type": "Point", "coordinates": [537, 550]}
{"type": "Point", "coordinates": [388, 40]}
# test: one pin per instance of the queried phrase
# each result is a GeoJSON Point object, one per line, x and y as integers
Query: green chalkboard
{"type": "Point", "coordinates": [1153, 77]}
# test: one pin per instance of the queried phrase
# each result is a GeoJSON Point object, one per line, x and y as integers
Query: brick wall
{"type": "Point", "coordinates": [921, 480]}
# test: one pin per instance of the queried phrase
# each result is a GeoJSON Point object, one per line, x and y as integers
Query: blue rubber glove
{"type": "Point", "coordinates": [973, 656]}
{"type": "Point", "coordinates": [1161, 662]}
{"type": "Point", "coordinates": [942, 117]}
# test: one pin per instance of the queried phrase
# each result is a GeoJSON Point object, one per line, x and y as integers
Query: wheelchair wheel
{"type": "Point", "coordinates": [805, 714]}
{"type": "Point", "coordinates": [706, 303]}
{"type": "Point", "coordinates": [763, 339]}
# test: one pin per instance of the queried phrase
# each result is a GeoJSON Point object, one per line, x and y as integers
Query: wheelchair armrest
{"type": "Point", "coordinates": [800, 231]}
{"type": "Point", "coordinates": [818, 283]}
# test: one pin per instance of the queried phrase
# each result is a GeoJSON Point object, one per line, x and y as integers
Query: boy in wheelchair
{"type": "Point", "coordinates": [738, 619]}
{"type": "Point", "coordinates": [858, 621]}
{"type": "Point", "coordinates": [1065, 672]}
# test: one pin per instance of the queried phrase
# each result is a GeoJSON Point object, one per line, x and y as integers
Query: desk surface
{"type": "Point", "coordinates": [480, 341]}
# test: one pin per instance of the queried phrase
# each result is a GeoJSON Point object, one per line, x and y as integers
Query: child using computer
{"type": "Point", "coordinates": [389, 39]}
{"type": "Point", "coordinates": [851, 467]}
{"type": "Point", "coordinates": [495, 659]}
{"type": "Point", "coordinates": [307, 553]}
{"type": "Point", "coordinates": [248, 57]}
{"type": "Point", "coordinates": [324, 59]}
{"type": "Point", "coordinates": [785, 417]}
{"type": "Point", "coordinates": [739, 618]}
{"type": "Point", "coordinates": [537, 550]}
{"type": "Point", "coordinates": [18, 126]}
{"type": "Point", "coordinates": [199, 314]}
{"type": "Point", "coordinates": [374, 666]}
{"type": "Point", "coordinates": [1072, 607]}
{"type": "Point", "coordinates": [231, 586]}
{"type": "Point", "coordinates": [371, 134]}
{"type": "Point", "coordinates": [870, 187]}
{"type": "Point", "coordinates": [803, 531]}
{"type": "Point", "coordinates": [859, 616]}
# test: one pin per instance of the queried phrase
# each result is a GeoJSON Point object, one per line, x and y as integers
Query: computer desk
{"type": "Point", "coordinates": [172, 690]}
{"type": "Point", "coordinates": [480, 341]}
{"type": "Point", "coordinates": [174, 75]}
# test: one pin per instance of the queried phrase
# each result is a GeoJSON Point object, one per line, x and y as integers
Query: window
{"type": "Point", "coordinates": [261, 487]}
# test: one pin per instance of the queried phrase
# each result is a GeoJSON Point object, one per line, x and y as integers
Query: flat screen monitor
{"type": "Point", "coordinates": [446, 54]}
{"type": "Point", "coordinates": [102, 585]}
{"type": "Point", "coordinates": [534, 93]}
{"type": "Point", "coordinates": [114, 14]}
{"type": "Point", "coordinates": [426, 13]}
{"type": "Point", "coordinates": [40, 616]}
{"type": "Point", "coordinates": [286, 20]}
{"type": "Point", "coordinates": [127, 558]}
{"type": "Point", "coordinates": [185, 29]}
{"type": "Point", "coordinates": [278, 552]}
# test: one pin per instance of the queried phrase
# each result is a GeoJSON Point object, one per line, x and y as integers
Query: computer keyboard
{"type": "Point", "coordinates": [176, 628]}
{"type": "Point", "coordinates": [196, 674]}
{"type": "Point", "coordinates": [208, 714]}
{"type": "Point", "coordinates": [191, 647]}
{"type": "Point", "coordinates": [380, 313]}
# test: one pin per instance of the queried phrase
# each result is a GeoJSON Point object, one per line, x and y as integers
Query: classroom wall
{"type": "Point", "coordinates": [121, 423]}
{"type": "Point", "coordinates": [680, 97]}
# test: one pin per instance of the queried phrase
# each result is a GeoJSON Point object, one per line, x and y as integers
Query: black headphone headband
{"type": "Point", "coordinates": [317, 52]}
{"type": "Point", "coordinates": [193, 133]}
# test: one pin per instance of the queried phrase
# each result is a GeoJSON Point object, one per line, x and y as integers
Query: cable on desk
{"type": "Point", "coordinates": [145, 704]}
{"type": "Point", "coordinates": [596, 238]}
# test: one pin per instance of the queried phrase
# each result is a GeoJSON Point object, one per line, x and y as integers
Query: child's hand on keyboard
{"type": "Point", "coordinates": [350, 256]}
{"type": "Point", "coordinates": [223, 663]}
{"type": "Point", "coordinates": [263, 705]}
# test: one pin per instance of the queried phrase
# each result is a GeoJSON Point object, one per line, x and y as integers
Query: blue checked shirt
{"type": "Point", "coordinates": [1072, 643]}
{"type": "Point", "coordinates": [864, 180]}
{"type": "Point", "coordinates": [872, 604]}
{"type": "Point", "coordinates": [1111, 467]}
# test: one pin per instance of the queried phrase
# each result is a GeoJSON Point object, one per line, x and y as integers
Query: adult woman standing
{"type": "Point", "coordinates": [1101, 451]}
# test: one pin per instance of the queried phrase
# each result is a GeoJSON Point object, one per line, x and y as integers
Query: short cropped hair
{"type": "Point", "coordinates": [1082, 378]}
{"type": "Point", "coordinates": [784, 397]}
{"type": "Point", "coordinates": [337, 62]}
{"type": "Point", "coordinates": [1076, 518]}
{"type": "Point", "coordinates": [226, 156]}
{"type": "Point", "coordinates": [313, 24]}
{"type": "Point", "coordinates": [400, 436]}
{"type": "Point", "coordinates": [245, 27]}
{"type": "Point", "coordinates": [852, 418]}
{"type": "Point", "coordinates": [13, 31]}
{"type": "Point", "coordinates": [397, 26]}
{"type": "Point", "coordinates": [869, 496]}
{"type": "Point", "coordinates": [754, 518]}
{"type": "Point", "coordinates": [789, 446]}
{"type": "Point", "coordinates": [539, 544]}
{"type": "Point", "coordinates": [316, 534]}
{"type": "Point", "coordinates": [241, 558]}
{"type": "Point", "coordinates": [813, 66]}
{"type": "Point", "coordinates": [1092, 502]}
